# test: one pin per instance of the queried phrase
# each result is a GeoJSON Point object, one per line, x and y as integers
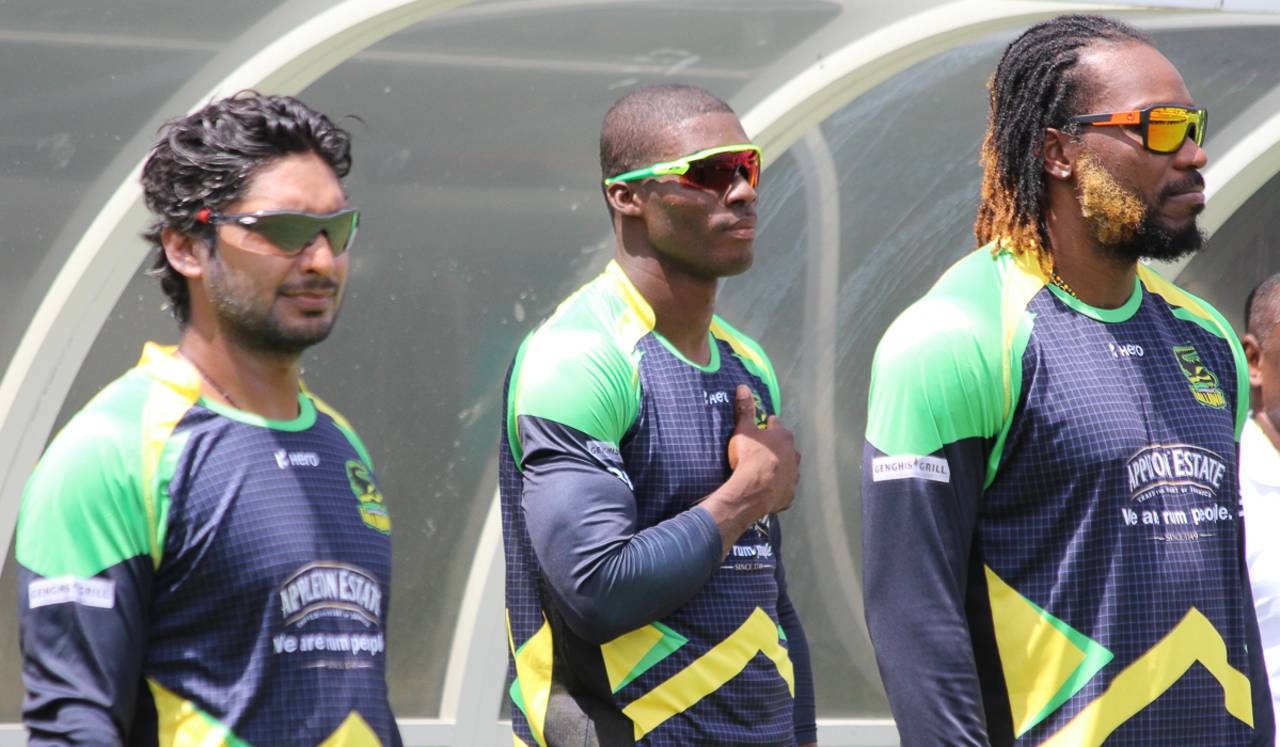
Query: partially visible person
{"type": "Point", "coordinates": [204, 552]}
{"type": "Point", "coordinates": [1051, 543]}
{"type": "Point", "coordinates": [1260, 467]}
{"type": "Point", "coordinates": [642, 465]}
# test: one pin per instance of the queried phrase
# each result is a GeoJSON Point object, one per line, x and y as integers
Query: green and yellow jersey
{"type": "Point", "coordinates": [1053, 552]}
{"type": "Point", "coordinates": [625, 622]}
{"type": "Point", "coordinates": [194, 574]}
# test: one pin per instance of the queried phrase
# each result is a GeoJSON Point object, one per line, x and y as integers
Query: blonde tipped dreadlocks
{"type": "Point", "coordinates": [1035, 86]}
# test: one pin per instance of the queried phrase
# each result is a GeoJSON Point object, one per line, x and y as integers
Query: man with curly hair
{"type": "Point", "coordinates": [1053, 554]}
{"type": "Point", "coordinates": [204, 551]}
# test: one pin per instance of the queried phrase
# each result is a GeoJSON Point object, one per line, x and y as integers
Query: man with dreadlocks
{"type": "Point", "coordinates": [1053, 554]}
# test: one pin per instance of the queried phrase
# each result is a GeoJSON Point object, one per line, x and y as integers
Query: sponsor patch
{"type": "Point", "coordinates": [328, 589]}
{"type": "Point", "coordinates": [1203, 382]}
{"type": "Point", "coordinates": [90, 592]}
{"type": "Point", "coordinates": [910, 466]}
{"type": "Point", "coordinates": [1174, 469]}
{"type": "Point", "coordinates": [611, 458]}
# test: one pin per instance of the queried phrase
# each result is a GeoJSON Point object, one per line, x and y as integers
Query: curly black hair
{"type": "Point", "coordinates": [1036, 85]}
{"type": "Point", "coordinates": [207, 159]}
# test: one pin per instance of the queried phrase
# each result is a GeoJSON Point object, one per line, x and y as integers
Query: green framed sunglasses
{"type": "Point", "coordinates": [291, 231]}
{"type": "Point", "coordinates": [712, 168]}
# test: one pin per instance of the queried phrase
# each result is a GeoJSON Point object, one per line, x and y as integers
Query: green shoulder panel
{"type": "Point", "coordinates": [752, 356]}
{"type": "Point", "coordinates": [949, 368]}
{"type": "Point", "coordinates": [99, 494]}
{"type": "Point", "coordinates": [580, 367]}
{"type": "Point", "coordinates": [1194, 309]}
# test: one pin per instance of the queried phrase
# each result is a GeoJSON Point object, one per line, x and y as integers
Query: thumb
{"type": "Point", "coordinates": [744, 407]}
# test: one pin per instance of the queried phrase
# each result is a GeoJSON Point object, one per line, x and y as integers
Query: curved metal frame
{"type": "Point", "coordinates": [90, 281]}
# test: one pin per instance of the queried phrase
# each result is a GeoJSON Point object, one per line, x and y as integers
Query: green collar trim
{"type": "Point", "coordinates": [306, 415]}
{"type": "Point", "coordinates": [712, 366]}
{"type": "Point", "coordinates": [1111, 316]}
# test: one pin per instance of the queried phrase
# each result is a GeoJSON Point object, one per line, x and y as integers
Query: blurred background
{"type": "Point", "coordinates": [475, 130]}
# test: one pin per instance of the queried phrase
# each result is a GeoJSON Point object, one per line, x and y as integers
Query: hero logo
{"type": "Point", "coordinates": [287, 459]}
{"type": "Point", "coordinates": [1124, 351]}
{"type": "Point", "coordinates": [717, 398]}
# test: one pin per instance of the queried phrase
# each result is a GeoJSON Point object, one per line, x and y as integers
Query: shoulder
{"type": "Point", "coordinates": [84, 507]}
{"type": "Point", "coordinates": [960, 319]}
{"type": "Point", "coordinates": [1186, 305]}
{"type": "Point", "coordinates": [579, 367]}
{"type": "Point", "coordinates": [945, 364]}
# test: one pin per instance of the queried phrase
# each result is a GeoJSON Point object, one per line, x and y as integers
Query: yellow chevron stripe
{"type": "Point", "coordinates": [179, 723]}
{"type": "Point", "coordinates": [353, 732]}
{"type": "Point", "coordinates": [622, 654]}
{"type": "Point", "coordinates": [533, 673]}
{"type": "Point", "coordinates": [1192, 640]}
{"type": "Point", "coordinates": [710, 672]}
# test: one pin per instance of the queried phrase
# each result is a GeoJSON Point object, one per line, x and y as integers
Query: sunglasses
{"type": "Point", "coordinates": [1164, 127]}
{"type": "Point", "coordinates": [714, 168]}
{"type": "Point", "coordinates": [291, 231]}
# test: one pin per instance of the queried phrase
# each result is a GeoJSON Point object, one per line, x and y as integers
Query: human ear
{"type": "Point", "coordinates": [623, 199]}
{"type": "Point", "coordinates": [1253, 356]}
{"type": "Point", "coordinates": [186, 253]}
{"type": "Point", "coordinates": [1059, 154]}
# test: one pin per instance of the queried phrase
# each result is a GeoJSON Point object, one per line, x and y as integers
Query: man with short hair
{"type": "Point", "coordinates": [1260, 466]}
{"type": "Point", "coordinates": [204, 551]}
{"type": "Point", "coordinates": [1051, 543]}
{"type": "Point", "coordinates": [643, 463]}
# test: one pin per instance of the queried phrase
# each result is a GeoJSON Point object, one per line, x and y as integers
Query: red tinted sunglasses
{"type": "Point", "coordinates": [714, 168]}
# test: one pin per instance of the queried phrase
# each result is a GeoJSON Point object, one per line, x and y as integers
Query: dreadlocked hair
{"type": "Point", "coordinates": [1036, 85]}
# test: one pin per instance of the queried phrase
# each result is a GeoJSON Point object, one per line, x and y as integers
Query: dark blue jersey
{"type": "Point", "coordinates": [194, 574]}
{"type": "Point", "coordinates": [625, 621]}
{"type": "Point", "coordinates": [1052, 541]}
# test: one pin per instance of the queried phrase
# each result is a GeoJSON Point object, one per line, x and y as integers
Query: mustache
{"type": "Point", "coordinates": [311, 285]}
{"type": "Point", "coordinates": [1193, 183]}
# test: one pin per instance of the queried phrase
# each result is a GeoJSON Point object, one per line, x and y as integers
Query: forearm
{"type": "Point", "coordinates": [732, 512]}
{"type": "Point", "coordinates": [631, 582]}
{"type": "Point", "coordinates": [607, 577]}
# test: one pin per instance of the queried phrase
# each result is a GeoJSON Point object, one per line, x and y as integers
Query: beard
{"type": "Point", "coordinates": [255, 326]}
{"type": "Point", "coordinates": [1126, 226]}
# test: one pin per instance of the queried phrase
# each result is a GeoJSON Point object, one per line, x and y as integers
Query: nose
{"type": "Point", "coordinates": [318, 256]}
{"type": "Point", "coordinates": [1190, 155]}
{"type": "Point", "coordinates": [741, 192]}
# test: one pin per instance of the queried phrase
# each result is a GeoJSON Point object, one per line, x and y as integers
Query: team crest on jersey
{"type": "Point", "coordinates": [372, 510]}
{"type": "Point", "coordinates": [762, 415]}
{"type": "Point", "coordinates": [1203, 382]}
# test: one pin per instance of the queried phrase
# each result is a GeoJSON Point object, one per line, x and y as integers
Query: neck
{"type": "Point", "coordinates": [263, 384]}
{"type": "Point", "coordinates": [682, 302]}
{"type": "Point", "coordinates": [1093, 274]}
